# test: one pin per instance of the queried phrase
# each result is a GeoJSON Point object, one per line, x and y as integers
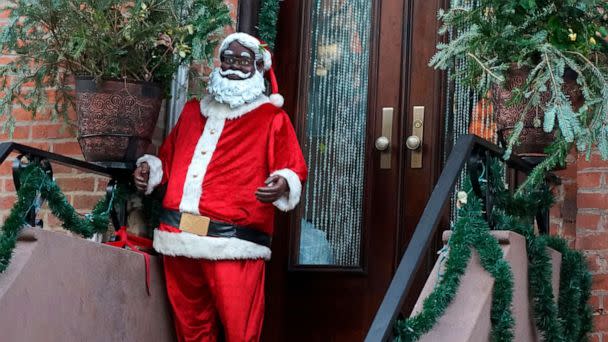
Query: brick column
{"type": "Point", "coordinates": [581, 216]}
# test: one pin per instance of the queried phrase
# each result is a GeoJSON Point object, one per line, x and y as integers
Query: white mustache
{"type": "Point", "coordinates": [234, 72]}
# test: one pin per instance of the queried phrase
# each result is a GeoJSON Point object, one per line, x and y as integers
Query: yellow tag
{"type": "Point", "coordinates": [194, 224]}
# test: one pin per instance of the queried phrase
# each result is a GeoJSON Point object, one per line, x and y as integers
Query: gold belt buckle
{"type": "Point", "coordinates": [194, 224]}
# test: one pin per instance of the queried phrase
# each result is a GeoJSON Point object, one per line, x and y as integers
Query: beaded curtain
{"type": "Point", "coordinates": [335, 134]}
{"type": "Point", "coordinates": [465, 112]}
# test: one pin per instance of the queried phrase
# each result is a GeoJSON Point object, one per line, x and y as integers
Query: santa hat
{"type": "Point", "coordinates": [261, 53]}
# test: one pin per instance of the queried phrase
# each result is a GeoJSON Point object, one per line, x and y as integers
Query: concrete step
{"type": "Point", "coordinates": [63, 288]}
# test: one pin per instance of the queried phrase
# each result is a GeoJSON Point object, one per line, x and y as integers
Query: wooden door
{"type": "Point", "coordinates": [351, 72]}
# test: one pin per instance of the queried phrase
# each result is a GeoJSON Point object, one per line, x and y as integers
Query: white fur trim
{"type": "Point", "coordinates": [210, 108]}
{"type": "Point", "coordinates": [193, 186]}
{"type": "Point", "coordinates": [207, 247]}
{"type": "Point", "coordinates": [277, 100]}
{"type": "Point", "coordinates": [251, 43]}
{"type": "Point", "coordinates": [156, 171]}
{"type": "Point", "coordinates": [290, 200]}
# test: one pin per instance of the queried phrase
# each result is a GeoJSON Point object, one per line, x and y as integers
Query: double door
{"type": "Point", "coordinates": [355, 77]}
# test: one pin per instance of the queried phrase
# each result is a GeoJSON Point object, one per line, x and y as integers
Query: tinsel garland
{"type": "Point", "coordinates": [569, 320]}
{"type": "Point", "coordinates": [267, 22]}
{"type": "Point", "coordinates": [34, 182]}
{"type": "Point", "coordinates": [470, 231]}
{"type": "Point", "coordinates": [575, 289]}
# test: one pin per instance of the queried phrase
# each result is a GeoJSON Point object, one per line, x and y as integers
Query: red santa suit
{"type": "Point", "coordinates": [212, 162]}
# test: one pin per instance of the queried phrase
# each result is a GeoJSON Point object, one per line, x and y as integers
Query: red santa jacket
{"type": "Point", "coordinates": [213, 161]}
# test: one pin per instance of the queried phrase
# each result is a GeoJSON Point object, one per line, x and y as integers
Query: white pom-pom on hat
{"type": "Point", "coordinates": [275, 98]}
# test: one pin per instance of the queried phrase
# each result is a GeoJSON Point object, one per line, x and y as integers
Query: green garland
{"type": "Point", "coordinates": [574, 291]}
{"type": "Point", "coordinates": [470, 231]}
{"type": "Point", "coordinates": [569, 320]}
{"type": "Point", "coordinates": [34, 182]}
{"type": "Point", "coordinates": [267, 22]}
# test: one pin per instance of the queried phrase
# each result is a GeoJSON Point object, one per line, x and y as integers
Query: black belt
{"type": "Point", "coordinates": [220, 229]}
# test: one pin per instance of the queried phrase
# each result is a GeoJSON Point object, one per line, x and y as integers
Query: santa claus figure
{"type": "Point", "coordinates": [228, 162]}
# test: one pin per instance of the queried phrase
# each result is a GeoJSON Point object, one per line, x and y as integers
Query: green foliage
{"type": "Point", "coordinates": [548, 38]}
{"type": "Point", "coordinates": [34, 182]}
{"type": "Point", "coordinates": [267, 26]}
{"type": "Point", "coordinates": [106, 39]}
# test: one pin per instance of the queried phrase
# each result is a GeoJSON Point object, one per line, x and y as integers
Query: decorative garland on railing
{"type": "Point", "coordinates": [569, 320]}
{"type": "Point", "coordinates": [575, 289]}
{"type": "Point", "coordinates": [35, 182]}
{"type": "Point", "coordinates": [470, 231]}
{"type": "Point", "coordinates": [267, 22]}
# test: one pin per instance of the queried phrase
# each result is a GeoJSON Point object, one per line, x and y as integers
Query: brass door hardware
{"type": "Point", "coordinates": [414, 141]}
{"type": "Point", "coordinates": [383, 143]}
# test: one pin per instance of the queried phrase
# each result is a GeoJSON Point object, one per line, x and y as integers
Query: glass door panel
{"type": "Point", "coordinates": [336, 125]}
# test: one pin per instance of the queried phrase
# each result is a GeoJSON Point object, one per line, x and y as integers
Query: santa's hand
{"type": "Point", "coordinates": [276, 186]}
{"type": "Point", "coordinates": [141, 176]}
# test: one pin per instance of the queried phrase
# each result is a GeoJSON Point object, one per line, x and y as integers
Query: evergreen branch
{"type": "Point", "coordinates": [485, 68]}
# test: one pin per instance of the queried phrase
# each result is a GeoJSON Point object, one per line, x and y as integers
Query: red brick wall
{"type": "Point", "coordinates": [82, 190]}
{"type": "Point", "coordinates": [581, 216]}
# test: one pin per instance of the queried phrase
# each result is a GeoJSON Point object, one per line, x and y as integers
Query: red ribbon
{"type": "Point", "coordinates": [134, 243]}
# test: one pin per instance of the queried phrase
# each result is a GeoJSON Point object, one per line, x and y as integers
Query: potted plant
{"type": "Point", "coordinates": [543, 62]}
{"type": "Point", "coordinates": [121, 55]}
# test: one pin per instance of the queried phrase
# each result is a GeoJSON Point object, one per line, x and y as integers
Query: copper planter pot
{"type": "Point", "coordinates": [116, 119]}
{"type": "Point", "coordinates": [533, 140]}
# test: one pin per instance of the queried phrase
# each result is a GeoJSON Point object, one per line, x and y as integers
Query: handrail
{"type": "Point", "coordinates": [116, 171]}
{"type": "Point", "coordinates": [469, 148]}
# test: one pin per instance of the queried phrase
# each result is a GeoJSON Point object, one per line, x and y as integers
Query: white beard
{"type": "Point", "coordinates": [235, 93]}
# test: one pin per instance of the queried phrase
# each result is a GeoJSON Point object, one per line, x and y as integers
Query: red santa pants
{"type": "Point", "coordinates": [206, 293]}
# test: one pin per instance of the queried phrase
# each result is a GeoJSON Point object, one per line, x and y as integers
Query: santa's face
{"type": "Point", "coordinates": [239, 79]}
{"type": "Point", "coordinates": [241, 59]}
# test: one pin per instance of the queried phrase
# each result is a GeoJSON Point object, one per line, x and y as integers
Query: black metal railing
{"type": "Point", "coordinates": [474, 153]}
{"type": "Point", "coordinates": [115, 171]}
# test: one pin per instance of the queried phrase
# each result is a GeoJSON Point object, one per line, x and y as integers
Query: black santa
{"type": "Point", "coordinates": [220, 165]}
